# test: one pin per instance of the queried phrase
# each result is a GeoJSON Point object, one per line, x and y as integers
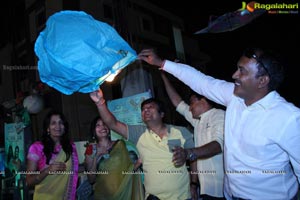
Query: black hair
{"type": "Point", "coordinates": [47, 141]}
{"type": "Point", "coordinates": [93, 129]}
{"type": "Point", "coordinates": [268, 64]}
{"type": "Point", "coordinates": [161, 108]}
{"type": "Point", "coordinates": [199, 97]}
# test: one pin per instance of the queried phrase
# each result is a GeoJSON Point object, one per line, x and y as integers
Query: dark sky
{"type": "Point", "coordinates": [278, 32]}
{"type": "Point", "coordinates": [197, 13]}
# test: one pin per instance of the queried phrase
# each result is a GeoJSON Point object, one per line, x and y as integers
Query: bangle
{"type": "Point", "coordinates": [100, 102]}
{"type": "Point", "coordinates": [194, 183]}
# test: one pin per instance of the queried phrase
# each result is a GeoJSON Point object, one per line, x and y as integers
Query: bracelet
{"type": "Point", "coordinates": [100, 102]}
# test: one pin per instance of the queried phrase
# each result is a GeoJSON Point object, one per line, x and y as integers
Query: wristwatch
{"type": "Point", "coordinates": [191, 156]}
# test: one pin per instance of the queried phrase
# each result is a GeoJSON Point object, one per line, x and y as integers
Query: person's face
{"type": "Point", "coordinates": [10, 150]}
{"type": "Point", "coordinates": [196, 106]}
{"type": "Point", "coordinates": [56, 126]}
{"type": "Point", "coordinates": [246, 83]}
{"type": "Point", "coordinates": [150, 112]}
{"type": "Point", "coordinates": [101, 129]}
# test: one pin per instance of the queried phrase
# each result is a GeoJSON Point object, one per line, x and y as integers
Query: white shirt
{"type": "Point", "coordinates": [209, 128]}
{"type": "Point", "coordinates": [262, 141]}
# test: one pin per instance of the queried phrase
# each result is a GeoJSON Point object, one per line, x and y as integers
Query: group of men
{"type": "Point", "coordinates": [258, 137]}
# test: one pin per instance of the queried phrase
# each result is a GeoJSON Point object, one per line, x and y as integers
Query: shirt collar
{"type": "Point", "coordinates": [168, 128]}
{"type": "Point", "coordinates": [205, 113]}
{"type": "Point", "coordinates": [265, 102]}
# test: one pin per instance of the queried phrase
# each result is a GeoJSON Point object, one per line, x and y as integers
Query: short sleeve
{"type": "Point", "coordinates": [134, 132]}
{"type": "Point", "coordinates": [35, 151]}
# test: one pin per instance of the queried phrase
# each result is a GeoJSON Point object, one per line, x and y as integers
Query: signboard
{"type": "Point", "coordinates": [128, 111]}
{"type": "Point", "coordinates": [14, 146]}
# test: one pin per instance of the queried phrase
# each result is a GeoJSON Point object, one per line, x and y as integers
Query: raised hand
{"type": "Point", "coordinates": [97, 95]}
{"type": "Point", "coordinates": [150, 57]}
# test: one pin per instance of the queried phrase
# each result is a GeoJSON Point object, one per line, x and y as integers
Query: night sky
{"type": "Point", "coordinates": [277, 32]}
{"type": "Point", "coordinates": [274, 31]}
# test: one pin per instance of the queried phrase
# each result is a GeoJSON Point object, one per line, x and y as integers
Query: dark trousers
{"type": "Point", "coordinates": [207, 197]}
{"type": "Point", "coordinates": [152, 197]}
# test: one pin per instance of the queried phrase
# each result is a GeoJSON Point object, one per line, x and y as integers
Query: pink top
{"type": "Point", "coordinates": [35, 153]}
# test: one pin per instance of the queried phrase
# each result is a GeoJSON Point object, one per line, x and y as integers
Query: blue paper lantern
{"type": "Point", "coordinates": [77, 52]}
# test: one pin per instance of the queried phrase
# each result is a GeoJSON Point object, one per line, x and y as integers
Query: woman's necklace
{"type": "Point", "coordinates": [105, 149]}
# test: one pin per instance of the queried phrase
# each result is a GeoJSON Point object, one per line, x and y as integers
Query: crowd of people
{"type": "Point", "coordinates": [248, 151]}
{"type": "Point", "coordinates": [261, 130]}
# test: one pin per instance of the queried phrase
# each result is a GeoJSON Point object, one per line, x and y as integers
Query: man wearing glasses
{"type": "Point", "coordinates": [262, 129]}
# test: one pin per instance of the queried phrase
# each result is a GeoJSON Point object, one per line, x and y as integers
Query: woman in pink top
{"type": "Point", "coordinates": [52, 163]}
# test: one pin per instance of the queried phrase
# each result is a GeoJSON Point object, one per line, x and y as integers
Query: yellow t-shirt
{"type": "Point", "coordinates": [161, 177]}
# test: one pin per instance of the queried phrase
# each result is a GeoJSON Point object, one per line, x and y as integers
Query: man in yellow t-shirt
{"type": "Point", "coordinates": [163, 178]}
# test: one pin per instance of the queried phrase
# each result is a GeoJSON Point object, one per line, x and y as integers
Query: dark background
{"type": "Point", "coordinates": [278, 32]}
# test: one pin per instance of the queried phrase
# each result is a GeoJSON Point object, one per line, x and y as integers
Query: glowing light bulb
{"type": "Point", "coordinates": [111, 77]}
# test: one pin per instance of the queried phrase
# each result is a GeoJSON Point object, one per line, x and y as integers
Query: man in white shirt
{"type": "Point", "coordinates": [208, 123]}
{"type": "Point", "coordinates": [262, 129]}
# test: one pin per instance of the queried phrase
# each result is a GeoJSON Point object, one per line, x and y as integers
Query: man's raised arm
{"type": "Point", "coordinates": [173, 95]}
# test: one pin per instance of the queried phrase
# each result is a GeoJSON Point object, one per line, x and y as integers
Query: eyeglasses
{"type": "Point", "coordinates": [250, 53]}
